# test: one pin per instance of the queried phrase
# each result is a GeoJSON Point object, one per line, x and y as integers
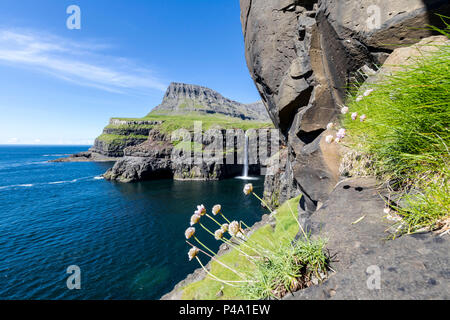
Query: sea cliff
{"type": "Point", "coordinates": [304, 56]}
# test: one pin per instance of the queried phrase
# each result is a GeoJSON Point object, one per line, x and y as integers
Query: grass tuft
{"type": "Point", "coordinates": [407, 135]}
{"type": "Point", "coordinates": [286, 265]}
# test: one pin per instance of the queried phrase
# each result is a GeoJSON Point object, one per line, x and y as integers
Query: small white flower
{"type": "Point", "coordinates": [363, 118]}
{"type": "Point", "coordinates": [224, 227]}
{"type": "Point", "coordinates": [193, 253]}
{"type": "Point", "coordinates": [248, 188]}
{"type": "Point", "coordinates": [234, 228]}
{"type": "Point", "coordinates": [337, 140]}
{"type": "Point", "coordinates": [368, 92]}
{"type": "Point", "coordinates": [344, 110]}
{"type": "Point", "coordinates": [387, 210]}
{"type": "Point", "coordinates": [329, 139]}
{"type": "Point", "coordinates": [189, 233]}
{"type": "Point", "coordinates": [341, 134]}
{"type": "Point", "coordinates": [195, 219]}
{"type": "Point", "coordinates": [216, 209]}
{"type": "Point", "coordinates": [359, 98]}
{"type": "Point", "coordinates": [354, 116]}
{"type": "Point", "coordinates": [201, 210]}
{"type": "Point", "coordinates": [330, 126]}
{"type": "Point", "coordinates": [218, 234]}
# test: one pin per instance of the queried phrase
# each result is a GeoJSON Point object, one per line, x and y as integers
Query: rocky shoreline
{"type": "Point", "coordinates": [87, 156]}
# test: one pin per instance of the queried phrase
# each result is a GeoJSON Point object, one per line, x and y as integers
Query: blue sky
{"type": "Point", "coordinates": [60, 86]}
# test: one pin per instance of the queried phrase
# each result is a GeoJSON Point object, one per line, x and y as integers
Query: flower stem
{"type": "Point", "coordinates": [213, 276]}
{"type": "Point", "coordinates": [225, 241]}
{"type": "Point", "coordinates": [214, 220]}
{"type": "Point", "coordinates": [263, 202]}
{"type": "Point", "coordinates": [204, 246]}
{"type": "Point", "coordinates": [249, 247]}
{"type": "Point", "coordinates": [245, 224]}
{"type": "Point", "coordinates": [223, 216]}
{"type": "Point", "coordinates": [218, 261]}
{"type": "Point", "coordinates": [210, 232]}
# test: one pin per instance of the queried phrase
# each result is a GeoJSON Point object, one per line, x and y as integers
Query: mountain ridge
{"type": "Point", "coordinates": [182, 98]}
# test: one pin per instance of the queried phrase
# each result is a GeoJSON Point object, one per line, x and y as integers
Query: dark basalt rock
{"type": "Point", "coordinates": [412, 267]}
{"type": "Point", "coordinates": [303, 54]}
{"type": "Point", "coordinates": [87, 156]}
{"type": "Point", "coordinates": [158, 158]}
{"type": "Point", "coordinates": [149, 160]}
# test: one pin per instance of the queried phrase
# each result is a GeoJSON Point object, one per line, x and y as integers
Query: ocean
{"type": "Point", "coordinates": [126, 239]}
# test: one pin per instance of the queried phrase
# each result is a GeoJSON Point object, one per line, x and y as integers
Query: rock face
{"type": "Point", "coordinates": [120, 134]}
{"type": "Point", "coordinates": [353, 221]}
{"type": "Point", "coordinates": [181, 98]}
{"type": "Point", "coordinates": [149, 160]}
{"type": "Point", "coordinates": [402, 57]}
{"type": "Point", "coordinates": [302, 54]}
{"type": "Point", "coordinates": [279, 184]}
{"type": "Point", "coordinates": [148, 153]}
{"type": "Point", "coordinates": [159, 157]}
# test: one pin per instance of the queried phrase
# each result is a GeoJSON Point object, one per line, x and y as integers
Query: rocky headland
{"type": "Point", "coordinates": [181, 99]}
{"type": "Point", "coordinates": [143, 149]}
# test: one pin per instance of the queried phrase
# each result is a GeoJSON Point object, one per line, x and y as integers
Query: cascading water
{"type": "Point", "coordinates": [245, 170]}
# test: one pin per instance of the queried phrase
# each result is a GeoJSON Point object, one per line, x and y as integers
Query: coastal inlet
{"type": "Point", "coordinates": [127, 239]}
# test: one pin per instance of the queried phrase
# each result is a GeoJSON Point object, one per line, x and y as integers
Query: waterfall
{"type": "Point", "coordinates": [245, 175]}
{"type": "Point", "coordinates": [245, 170]}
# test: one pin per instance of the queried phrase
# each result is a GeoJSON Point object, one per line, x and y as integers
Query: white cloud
{"type": "Point", "coordinates": [13, 140]}
{"type": "Point", "coordinates": [48, 141]}
{"type": "Point", "coordinates": [79, 63]}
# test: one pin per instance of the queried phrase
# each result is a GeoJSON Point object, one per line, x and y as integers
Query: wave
{"type": "Point", "coordinates": [17, 186]}
{"type": "Point", "coordinates": [52, 183]}
{"type": "Point", "coordinates": [22, 164]}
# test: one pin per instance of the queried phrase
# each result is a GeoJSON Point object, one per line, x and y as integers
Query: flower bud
{"type": "Point", "coordinates": [234, 228]}
{"type": "Point", "coordinates": [248, 189]}
{"type": "Point", "coordinates": [218, 234]}
{"type": "Point", "coordinates": [195, 219]}
{"type": "Point", "coordinates": [216, 209]}
{"type": "Point", "coordinates": [193, 253]}
{"type": "Point", "coordinates": [329, 139]}
{"type": "Point", "coordinates": [189, 233]}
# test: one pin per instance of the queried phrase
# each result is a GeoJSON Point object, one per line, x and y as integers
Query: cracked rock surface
{"type": "Point", "coordinates": [303, 54]}
{"type": "Point", "coordinates": [410, 267]}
